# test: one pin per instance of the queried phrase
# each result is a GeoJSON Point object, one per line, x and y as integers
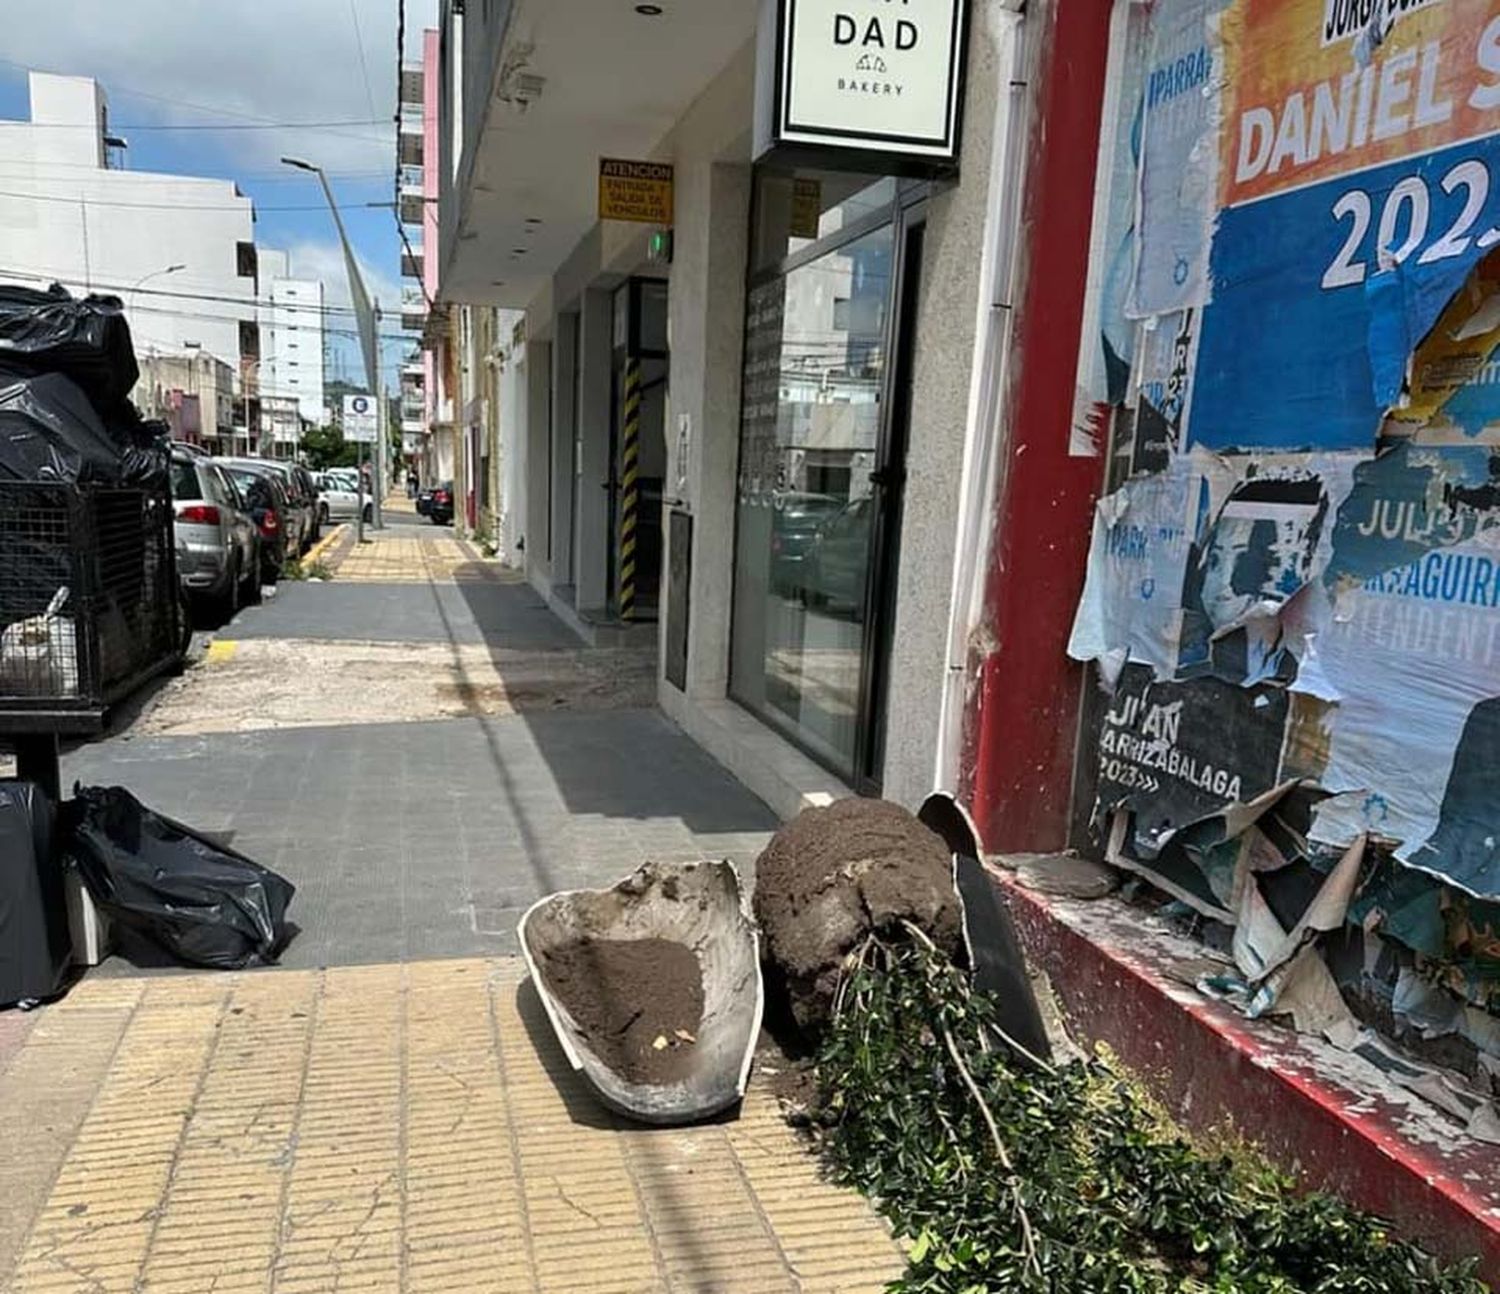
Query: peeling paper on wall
{"type": "Point", "coordinates": [1403, 636]}
{"type": "Point", "coordinates": [1190, 569]}
{"type": "Point", "coordinates": [1178, 183]}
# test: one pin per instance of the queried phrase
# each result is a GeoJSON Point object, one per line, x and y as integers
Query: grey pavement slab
{"type": "Point", "coordinates": [421, 840]}
{"type": "Point", "coordinates": [504, 616]}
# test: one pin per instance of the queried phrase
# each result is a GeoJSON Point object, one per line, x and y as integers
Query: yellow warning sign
{"type": "Point", "coordinates": [807, 208]}
{"type": "Point", "coordinates": [639, 191]}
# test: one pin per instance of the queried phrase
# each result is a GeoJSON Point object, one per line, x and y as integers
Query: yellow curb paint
{"type": "Point", "coordinates": [220, 650]}
{"type": "Point", "coordinates": [316, 552]}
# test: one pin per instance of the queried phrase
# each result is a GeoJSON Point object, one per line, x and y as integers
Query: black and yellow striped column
{"type": "Point", "coordinates": [630, 489]}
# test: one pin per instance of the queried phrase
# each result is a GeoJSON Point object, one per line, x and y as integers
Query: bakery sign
{"type": "Point", "coordinates": [873, 76]}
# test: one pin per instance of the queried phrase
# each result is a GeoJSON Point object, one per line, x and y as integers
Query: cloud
{"type": "Point", "coordinates": [313, 259]}
{"type": "Point", "coordinates": [277, 60]}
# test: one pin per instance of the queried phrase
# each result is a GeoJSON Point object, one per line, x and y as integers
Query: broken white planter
{"type": "Point", "coordinates": [702, 906]}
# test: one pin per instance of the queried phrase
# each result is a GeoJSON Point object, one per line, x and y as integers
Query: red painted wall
{"type": "Point", "coordinates": [1021, 726]}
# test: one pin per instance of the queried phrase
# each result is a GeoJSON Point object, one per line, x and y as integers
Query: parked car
{"type": "Point", "coordinates": [309, 488]}
{"type": "Point", "coordinates": [839, 557]}
{"type": "Point", "coordinates": [424, 501]}
{"type": "Point", "coordinates": [270, 508]}
{"type": "Point", "coordinates": [339, 499]}
{"type": "Point", "coordinates": [218, 544]}
{"type": "Point", "coordinates": [298, 513]}
{"type": "Point", "coordinates": [794, 525]}
{"type": "Point", "coordinates": [304, 497]}
{"type": "Point", "coordinates": [440, 510]}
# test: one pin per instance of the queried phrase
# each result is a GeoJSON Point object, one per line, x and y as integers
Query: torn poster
{"type": "Point", "coordinates": [1190, 569]}
{"type": "Point", "coordinates": [1143, 536]}
{"type": "Point", "coordinates": [1179, 159]}
{"type": "Point", "coordinates": [1411, 501]}
{"type": "Point", "coordinates": [1411, 748]}
{"type": "Point", "coordinates": [1176, 753]}
{"type": "Point", "coordinates": [1166, 355]}
{"type": "Point", "coordinates": [1451, 394]}
{"type": "Point", "coordinates": [1108, 337]}
{"type": "Point", "coordinates": [1358, 189]}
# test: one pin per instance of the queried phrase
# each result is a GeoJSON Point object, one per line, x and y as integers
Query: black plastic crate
{"type": "Point", "coordinates": [88, 601]}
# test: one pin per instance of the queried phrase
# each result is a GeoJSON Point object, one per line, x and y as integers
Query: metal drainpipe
{"type": "Point", "coordinates": [1005, 24]}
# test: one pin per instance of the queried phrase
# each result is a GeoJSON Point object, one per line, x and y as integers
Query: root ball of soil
{"type": "Point", "coordinates": [836, 875]}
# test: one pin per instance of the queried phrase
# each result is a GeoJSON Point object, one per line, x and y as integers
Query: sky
{"type": "Point", "coordinates": [226, 63]}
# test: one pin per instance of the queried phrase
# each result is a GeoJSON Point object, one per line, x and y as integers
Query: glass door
{"type": "Point", "coordinates": [822, 463]}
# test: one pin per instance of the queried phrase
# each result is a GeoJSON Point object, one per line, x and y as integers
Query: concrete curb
{"type": "Point", "coordinates": [1305, 1104]}
{"type": "Point", "coordinates": [319, 549]}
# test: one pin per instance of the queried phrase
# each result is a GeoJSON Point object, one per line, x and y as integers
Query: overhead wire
{"type": "Point", "coordinates": [249, 303]}
{"type": "Point", "coordinates": [168, 206]}
{"type": "Point", "coordinates": [364, 67]}
{"type": "Point", "coordinates": [139, 126]}
{"type": "Point", "coordinates": [258, 118]}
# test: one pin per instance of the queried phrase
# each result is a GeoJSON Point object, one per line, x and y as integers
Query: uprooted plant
{"type": "Point", "coordinates": [1007, 1174]}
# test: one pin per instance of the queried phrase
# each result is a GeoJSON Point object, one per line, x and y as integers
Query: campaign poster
{"type": "Point", "coordinates": [1359, 186]}
{"type": "Point", "coordinates": [1175, 753]}
{"type": "Point", "coordinates": [1179, 159]}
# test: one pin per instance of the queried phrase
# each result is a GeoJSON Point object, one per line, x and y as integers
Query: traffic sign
{"type": "Point", "coordinates": [361, 419]}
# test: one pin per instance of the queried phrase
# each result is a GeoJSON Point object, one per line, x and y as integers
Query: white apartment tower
{"type": "Point", "coordinates": [292, 343]}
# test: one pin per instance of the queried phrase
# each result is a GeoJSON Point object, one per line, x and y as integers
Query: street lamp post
{"type": "Point", "coordinates": [365, 316]}
{"type": "Point", "coordinates": [146, 278]}
{"type": "Point", "coordinates": [250, 368]}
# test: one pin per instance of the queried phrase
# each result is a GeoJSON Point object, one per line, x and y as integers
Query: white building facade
{"type": "Point", "coordinates": [178, 250]}
{"type": "Point", "coordinates": [292, 363]}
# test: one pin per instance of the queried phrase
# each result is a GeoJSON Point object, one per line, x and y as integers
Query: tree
{"type": "Point", "coordinates": [325, 447]}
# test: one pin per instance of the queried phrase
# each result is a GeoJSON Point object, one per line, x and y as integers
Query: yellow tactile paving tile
{"type": "Point", "coordinates": [398, 557]}
{"type": "Point", "coordinates": [411, 1129]}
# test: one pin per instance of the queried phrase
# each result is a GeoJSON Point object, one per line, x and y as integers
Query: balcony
{"type": "Point", "coordinates": [413, 309]}
{"type": "Point", "coordinates": [410, 145]}
{"type": "Point", "coordinates": [413, 206]}
{"type": "Point", "coordinates": [411, 85]}
{"type": "Point", "coordinates": [411, 265]}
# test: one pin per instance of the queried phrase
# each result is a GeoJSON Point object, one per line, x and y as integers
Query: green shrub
{"type": "Point", "coordinates": [1061, 1178]}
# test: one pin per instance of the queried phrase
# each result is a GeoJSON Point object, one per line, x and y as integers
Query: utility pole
{"type": "Point", "coordinates": [364, 316]}
{"type": "Point", "coordinates": [381, 432]}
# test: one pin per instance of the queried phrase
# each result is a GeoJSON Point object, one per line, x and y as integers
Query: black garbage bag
{"type": "Point", "coordinates": [35, 947]}
{"type": "Point", "coordinates": [204, 904]}
{"type": "Point", "coordinates": [87, 339]}
{"type": "Point", "coordinates": [50, 432]}
{"type": "Point", "coordinates": [145, 450]}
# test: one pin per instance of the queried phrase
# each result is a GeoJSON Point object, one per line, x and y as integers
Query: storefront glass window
{"type": "Point", "coordinates": [815, 356]}
{"type": "Point", "coordinates": [795, 210]}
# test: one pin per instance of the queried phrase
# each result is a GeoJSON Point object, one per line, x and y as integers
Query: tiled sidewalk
{"type": "Point", "coordinates": [384, 1128]}
{"type": "Point", "coordinates": [399, 556]}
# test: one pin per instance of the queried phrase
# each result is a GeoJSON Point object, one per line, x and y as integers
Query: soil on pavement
{"type": "Point", "coordinates": [290, 683]}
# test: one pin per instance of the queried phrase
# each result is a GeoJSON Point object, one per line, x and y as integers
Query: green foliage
{"type": "Point", "coordinates": [325, 447]}
{"type": "Point", "coordinates": [298, 570]}
{"type": "Point", "coordinates": [1062, 1179]}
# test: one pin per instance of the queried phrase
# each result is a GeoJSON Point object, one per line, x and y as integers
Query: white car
{"type": "Point", "coordinates": [339, 498]}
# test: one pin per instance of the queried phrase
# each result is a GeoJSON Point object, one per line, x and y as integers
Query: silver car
{"type": "Point", "coordinates": [218, 548]}
{"type": "Point", "coordinates": [339, 499]}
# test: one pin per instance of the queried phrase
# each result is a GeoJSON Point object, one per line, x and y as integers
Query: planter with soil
{"type": "Point", "coordinates": [653, 988]}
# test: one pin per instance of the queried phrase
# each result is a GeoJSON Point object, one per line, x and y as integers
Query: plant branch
{"type": "Point", "coordinates": [1028, 1237]}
